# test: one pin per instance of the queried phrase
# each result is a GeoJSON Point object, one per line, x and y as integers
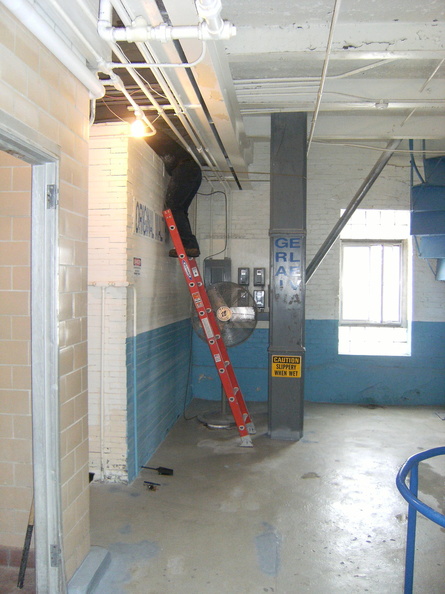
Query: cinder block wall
{"type": "Point", "coordinates": [107, 300]}
{"type": "Point", "coordinates": [15, 366]}
{"type": "Point", "coordinates": [335, 173]}
{"type": "Point", "coordinates": [40, 93]}
{"type": "Point", "coordinates": [334, 176]}
{"type": "Point", "coordinates": [139, 307]}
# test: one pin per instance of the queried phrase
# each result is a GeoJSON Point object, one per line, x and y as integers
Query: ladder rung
{"type": "Point", "coordinates": [213, 338]}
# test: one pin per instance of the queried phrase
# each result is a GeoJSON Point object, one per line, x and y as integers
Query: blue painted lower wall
{"type": "Point", "coordinates": [158, 364]}
{"type": "Point", "coordinates": [415, 380]}
{"type": "Point", "coordinates": [158, 385]}
{"type": "Point", "coordinates": [249, 360]}
{"type": "Point", "coordinates": [330, 377]}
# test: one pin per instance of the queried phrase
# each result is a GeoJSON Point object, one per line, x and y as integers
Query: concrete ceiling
{"type": "Point", "coordinates": [384, 71]}
{"type": "Point", "coordinates": [374, 71]}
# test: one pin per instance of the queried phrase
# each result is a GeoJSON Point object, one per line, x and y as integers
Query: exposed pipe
{"type": "Point", "coordinates": [31, 19]}
{"type": "Point", "coordinates": [353, 205]}
{"type": "Point", "coordinates": [167, 86]}
{"type": "Point", "coordinates": [159, 64]}
{"type": "Point", "coordinates": [139, 81]}
{"type": "Point", "coordinates": [118, 84]}
{"type": "Point", "coordinates": [210, 11]}
{"type": "Point", "coordinates": [106, 67]}
{"type": "Point", "coordinates": [135, 384]}
{"type": "Point", "coordinates": [422, 88]}
{"type": "Point", "coordinates": [213, 28]}
{"type": "Point", "coordinates": [324, 72]}
{"type": "Point", "coordinates": [101, 388]}
{"type": "Point", "coordinates": [105, 11]}
{"type": "Point", "coordinates": [430, 78]}
{"type": "Point", "coordinates": [260, 84]}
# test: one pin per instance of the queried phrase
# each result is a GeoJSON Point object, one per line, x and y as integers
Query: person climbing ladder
{"type": "Point", "coordinates": [185, 179]}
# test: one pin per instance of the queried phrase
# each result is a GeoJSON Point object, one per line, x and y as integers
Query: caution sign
{"type": "Point", "coordinates": [285, 366]}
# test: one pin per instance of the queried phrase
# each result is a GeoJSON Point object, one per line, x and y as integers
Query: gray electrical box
{"type": "Point", "coordinates": [259, 277]}
{"type": "Point", "coordinates": [243, 276]}
{"type": "Point", "coordinates": [259, 298]}
{"type": "Point", "coordinates": [217, 271]}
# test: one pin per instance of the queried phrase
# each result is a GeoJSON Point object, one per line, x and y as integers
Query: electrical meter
{"type": "Point", "coordinates": [259, 298]}
{"type": "Point", "coordinates": [243, 276]}
{"type": "Point", "coordinates": [259, 277]}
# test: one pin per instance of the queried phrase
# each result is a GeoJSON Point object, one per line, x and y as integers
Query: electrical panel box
{"type": "Point", "coordinates": [259, 298]}
{"type": "Point", "coordinates": [259, 277]}
{"type": "Point", "coordinates": [217, 271]}
{"type": "Point", "coordinates": [243, 276]}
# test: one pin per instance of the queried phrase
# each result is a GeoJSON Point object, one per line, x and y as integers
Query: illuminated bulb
{"type": "Point", "coordinates": [138, 128]}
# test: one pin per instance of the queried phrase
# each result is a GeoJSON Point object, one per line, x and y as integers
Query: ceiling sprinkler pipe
{"type": "Point", "coordinates": [210, 11]}
{"type": "Point", "coordinates": [214, 28]}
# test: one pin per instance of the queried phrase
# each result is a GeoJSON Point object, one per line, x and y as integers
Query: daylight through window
{"type": "Point", "coordinates": [374, 284]}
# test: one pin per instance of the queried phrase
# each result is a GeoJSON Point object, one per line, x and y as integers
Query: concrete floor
{"type": "Point", "coordinates": [321, 516]}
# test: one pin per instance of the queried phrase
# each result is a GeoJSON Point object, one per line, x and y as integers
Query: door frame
{"type": "Point", "coordinates": [43, 155]}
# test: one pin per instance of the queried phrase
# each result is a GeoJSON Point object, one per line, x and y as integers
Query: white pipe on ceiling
{"type": "Point", "coordinates": [166, 85]}
{"type": "Point", "coordinates": [160, 64]}
{"type": "Point", "coordinates": [213, 28]}
{"type": "Point", "coordinates": [335, 13]}
{"type": "Point", "coordinates": [31, 19]}
{"type": "Point", "coordinates": [210, 11]}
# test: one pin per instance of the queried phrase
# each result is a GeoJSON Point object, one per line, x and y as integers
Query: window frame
{"type": "Point", "coordinates": [403, 278]}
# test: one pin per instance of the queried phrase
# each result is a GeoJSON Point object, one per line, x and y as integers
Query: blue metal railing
{"type": "Point", "coordinates": [411, 467]}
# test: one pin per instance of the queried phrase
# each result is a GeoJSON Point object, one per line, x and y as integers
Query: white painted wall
{"type": "Point", "coordinates": [335, 173]}
{"type": "Point", "coordinates": [162, 295]}
{"type": "Point", "coordinates": [124, 172]}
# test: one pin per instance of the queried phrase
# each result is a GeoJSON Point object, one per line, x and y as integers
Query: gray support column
{"type": "Point", "coordinates": [287, 275]}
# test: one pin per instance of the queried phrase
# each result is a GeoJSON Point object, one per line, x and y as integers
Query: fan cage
{"type": "Point", "coordinates": [235, 311]}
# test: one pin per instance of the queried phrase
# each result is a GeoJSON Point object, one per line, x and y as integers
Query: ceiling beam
{"type": "Point", "coordinates": [414, 41]}
{"type": "Point", "coordinates": [361, 127]}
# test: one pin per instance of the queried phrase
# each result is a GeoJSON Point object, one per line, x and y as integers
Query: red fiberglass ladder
{"type": "Point", "coordinates": [212, 336]}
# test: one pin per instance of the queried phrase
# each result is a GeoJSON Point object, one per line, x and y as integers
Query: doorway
{"type": "Point", "coordinates": [30, 402]}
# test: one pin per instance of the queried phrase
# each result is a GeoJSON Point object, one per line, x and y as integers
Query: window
{"type": "Point", "coordinates": [371, 283]}
{"type": "Point", "coordinates": [374, 284]}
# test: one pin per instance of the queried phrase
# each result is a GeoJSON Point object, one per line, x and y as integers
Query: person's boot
{"type": "Point", "coordinates": [191, 253]}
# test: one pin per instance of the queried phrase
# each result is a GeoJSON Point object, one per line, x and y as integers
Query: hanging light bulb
{"type": "Point", "coordinates": [138, 127]}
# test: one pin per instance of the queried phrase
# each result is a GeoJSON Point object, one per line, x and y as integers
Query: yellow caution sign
{"type": "Point", "coordinates": [285, 366]}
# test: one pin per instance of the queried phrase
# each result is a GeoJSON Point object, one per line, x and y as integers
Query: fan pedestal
{"type": "Point", "coordinates": [222, 419]}
{"type": "Point", "coordinates": [236, 315]}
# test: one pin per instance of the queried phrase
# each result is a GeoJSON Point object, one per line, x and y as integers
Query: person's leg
{"type": "Point", "coordinates": [182, 188]}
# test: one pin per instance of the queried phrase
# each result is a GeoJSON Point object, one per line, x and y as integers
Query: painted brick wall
{"type": "Point", "coordinates": [138, 302]}
{"type": "Point", "coordinates": [334, 176]}
{"type": "Point", "coordinates": [40, 93]}
{"type": "Point", "coordinates": [15, 335]}
{"type": "Point", "coordinates": [159, 335]}
{"type": "Point", "coordinates": [107, 299]}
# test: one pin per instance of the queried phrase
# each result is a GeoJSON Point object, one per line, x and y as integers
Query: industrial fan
{"type": "Point", "coordinates": [236, 315]}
